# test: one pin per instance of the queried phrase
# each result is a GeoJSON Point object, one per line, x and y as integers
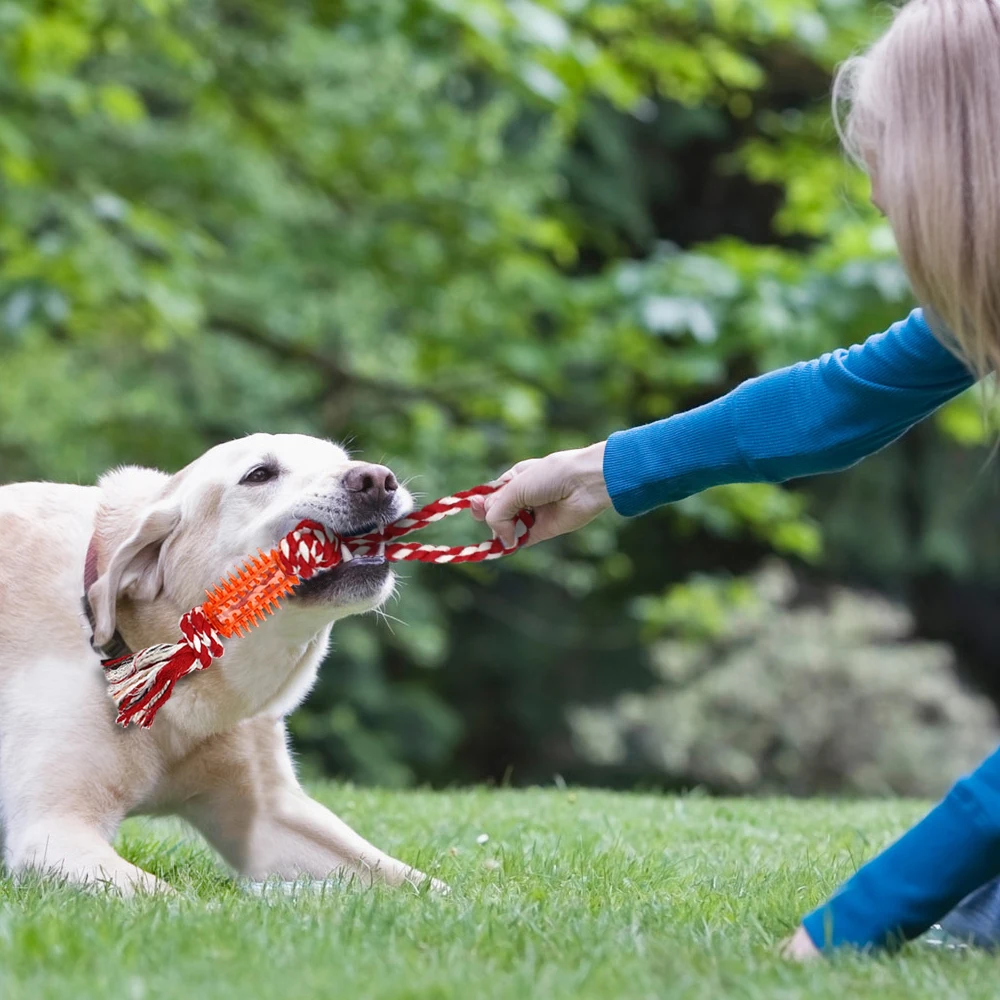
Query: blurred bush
{"type": "Point", "coordinates": [456, 233]}
{"type": "Point", "coordinates": [767, 694]}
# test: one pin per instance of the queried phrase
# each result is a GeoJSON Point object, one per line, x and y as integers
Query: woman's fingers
{"type": "Point", "coordinates": [540, 530]}
{"type": "Point", "coordinates": [477, 508]}
{"type": "Point", "coordinates": [546, 524]}
{"type": "Point", "coordinates": [500, 509]}
{"type": "Point", "coordinates": [516, 470]}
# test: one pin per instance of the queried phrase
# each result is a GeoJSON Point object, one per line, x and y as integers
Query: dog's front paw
{"type": "Point", "coordinates": [425, 883]}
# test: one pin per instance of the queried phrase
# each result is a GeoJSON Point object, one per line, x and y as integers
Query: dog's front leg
{"type": "Point", "coordinates": [293, 835]}
{"type": "Point", "coordinates": [240, 791]}
{"type": "Point", "coordinates": [70, 848]}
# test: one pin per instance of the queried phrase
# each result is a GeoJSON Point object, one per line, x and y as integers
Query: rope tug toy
{"type": "Point", "coordinates": [140, 683]}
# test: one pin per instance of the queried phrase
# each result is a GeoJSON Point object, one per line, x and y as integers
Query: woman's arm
{"type": "Point", "coordinates": [814, 417]}
{"type": "Point", "coordinates": [929, 870]}
{"type": "Point", "coordinates": [819, 416]}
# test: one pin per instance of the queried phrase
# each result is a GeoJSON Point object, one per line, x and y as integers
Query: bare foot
{"type": "Point", "coordinates": [799, 947]}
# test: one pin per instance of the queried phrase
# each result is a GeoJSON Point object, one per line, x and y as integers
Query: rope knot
{"type": "Point", "coordinates": [308, 550]}
{"type": "Point", "coordinates": [201, 637]}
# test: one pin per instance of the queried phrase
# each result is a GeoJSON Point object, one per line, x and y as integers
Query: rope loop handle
{"type": "Point", "coordinates": [141, 683]}
{"type": "Point", "coordinates": [431, 514]}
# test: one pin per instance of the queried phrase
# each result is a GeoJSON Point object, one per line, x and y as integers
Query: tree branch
{"type": "Point", "coordinates": [391, 393]}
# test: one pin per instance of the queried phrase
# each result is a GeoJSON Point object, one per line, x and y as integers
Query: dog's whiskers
{"type": "Point", "coordinates": [389, 619]}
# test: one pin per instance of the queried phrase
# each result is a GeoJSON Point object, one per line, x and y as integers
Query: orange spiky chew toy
{"type": "Point", "coordinates": [140, 683]}
{"type": "Point", "coordinates": [248, 596]}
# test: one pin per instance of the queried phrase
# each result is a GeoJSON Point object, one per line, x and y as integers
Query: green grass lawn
{"type": "Point", "coordinates": [574, 894]}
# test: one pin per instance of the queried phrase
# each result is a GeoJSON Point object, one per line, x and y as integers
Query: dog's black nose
{"type": "Point", "coordinates": [372, 481]}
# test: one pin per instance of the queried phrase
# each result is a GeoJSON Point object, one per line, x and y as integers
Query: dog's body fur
{"type": "Point", "coordinates": [217, 753]}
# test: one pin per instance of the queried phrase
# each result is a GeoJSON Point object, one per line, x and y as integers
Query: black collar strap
{"type": "Point", "coordinates": [116, 648]}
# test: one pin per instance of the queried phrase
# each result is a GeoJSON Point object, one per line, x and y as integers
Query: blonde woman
{"type": "Point", "coordinates": [924, 120]}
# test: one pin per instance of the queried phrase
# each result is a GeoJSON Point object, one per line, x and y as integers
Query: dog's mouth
{"type": "Point", "coordinates": [362, 581]}
{"type": "Point", "coordinates": [358, 579]}
{"type": "Point", "coordinates": [376, 558]}
{"type": "Point", "coordinates": [371, 557]}
{"type": "Point", "coordinates": [352, 583]}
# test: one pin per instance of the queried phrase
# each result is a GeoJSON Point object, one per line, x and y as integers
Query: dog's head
{"type": "Point", "coordinates": [178, 535]}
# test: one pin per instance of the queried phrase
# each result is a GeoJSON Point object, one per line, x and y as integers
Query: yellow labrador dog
{"type": "Point", "coordinates": [217, 754]}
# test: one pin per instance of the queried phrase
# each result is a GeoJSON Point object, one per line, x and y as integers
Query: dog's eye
{"type": "Point", "coordinates": [260, 474]}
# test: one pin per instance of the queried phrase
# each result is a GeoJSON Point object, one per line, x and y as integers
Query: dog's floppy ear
{"type": "Point", "coordinates": [133, 566]}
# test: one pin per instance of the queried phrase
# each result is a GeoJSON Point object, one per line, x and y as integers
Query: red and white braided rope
{"type": "Point", "coordinates": [141, 683]}
{"type": "Point", "coordinates": [431, 514]}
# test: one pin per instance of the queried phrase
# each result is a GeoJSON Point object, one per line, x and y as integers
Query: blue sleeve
{"type": "Point", "coordinates": [818, 416]}
{"type": "Point", "coordinates": [915, 882]}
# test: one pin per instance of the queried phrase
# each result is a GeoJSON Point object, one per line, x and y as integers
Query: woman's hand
{"type": "Point", "coordinates": [800, 948]}
{"type": "Point", "coordinates": [565, 490]}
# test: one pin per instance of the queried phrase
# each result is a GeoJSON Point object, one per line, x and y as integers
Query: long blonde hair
{"type": "Point", "coordinates": [924, 119]}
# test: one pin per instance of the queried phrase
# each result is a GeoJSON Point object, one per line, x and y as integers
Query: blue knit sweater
{"type": "Point", "coordinates": [815, 417]}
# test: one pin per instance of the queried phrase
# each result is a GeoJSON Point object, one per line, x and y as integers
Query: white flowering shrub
{"type": "Point", "coordinates": [801, 699]}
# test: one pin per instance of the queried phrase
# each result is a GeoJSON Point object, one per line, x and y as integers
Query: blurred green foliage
{"type": "Point", "coordinates": [454, 233]}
